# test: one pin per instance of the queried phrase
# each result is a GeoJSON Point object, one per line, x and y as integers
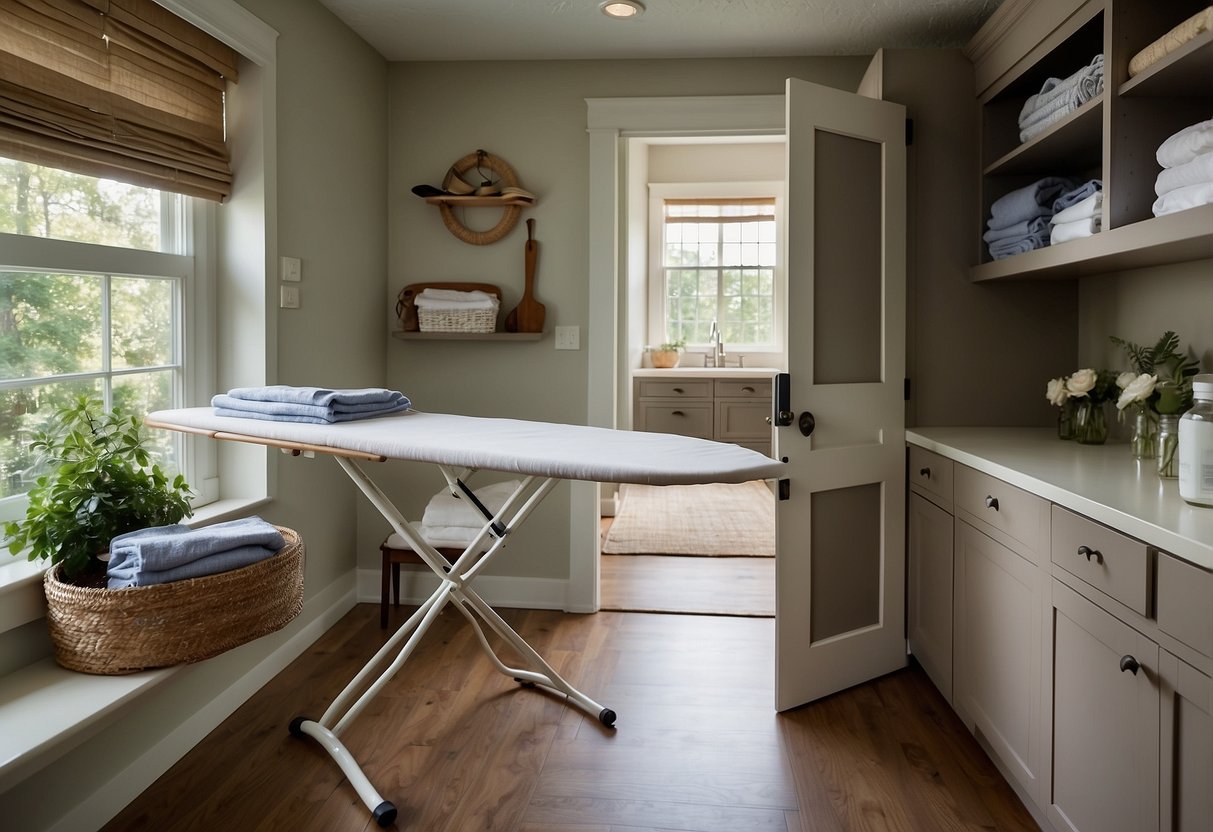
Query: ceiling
{"type": "Point", "coordinates": [466, 30]}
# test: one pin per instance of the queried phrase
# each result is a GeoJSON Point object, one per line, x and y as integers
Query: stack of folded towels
{"type": "Point", "coordinates": [1077, 213]}
{"type": "Point", "coordinates": [1019, 221]}
{"type": "Point", "coordinates": [452, 300]}
{"type": "Point", "coordinates": [451, 522]}
{"type": "Point", "coordinates": [163, 554]}
{"type": "Point", "coordinates": [317, 405]}
{"type": "Point", "coordinates": [1184, 33]}
{"type": "Point", "coordinates": [1059, 97]}
{"type": "Point", "coordinates": [1187, 177]}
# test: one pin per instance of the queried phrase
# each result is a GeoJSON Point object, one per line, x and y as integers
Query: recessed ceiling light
{"type": "Point", "coordinates": [622, 9]}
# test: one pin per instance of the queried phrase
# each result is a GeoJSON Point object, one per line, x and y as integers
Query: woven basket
{"type": "Point", "coordinates": [116, 631]}
{"type": "Point", "coordinates": [464, 320]}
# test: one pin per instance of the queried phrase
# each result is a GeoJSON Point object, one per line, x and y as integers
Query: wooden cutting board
{"type": "Point", "coordinates": [406, 307]}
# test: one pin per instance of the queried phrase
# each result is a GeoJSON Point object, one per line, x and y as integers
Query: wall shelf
{"type": "Point", "coordinates": [467, 336]}
{"type": "Point", "coordinates": [1073, 143]}
{"type": "Point", "coordinates": [1188, 71]}
{"type": "Point", "coordinates": [481, 201]}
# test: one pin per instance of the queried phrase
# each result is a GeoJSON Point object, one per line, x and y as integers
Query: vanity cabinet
{"type": "Point", "coordinates": [733, 409]}
{"type": "Point", "coordinates": [1113, 137]}
{"type": "Point", "coordinates": [930, 566]}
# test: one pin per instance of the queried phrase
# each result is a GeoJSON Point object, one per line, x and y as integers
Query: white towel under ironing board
{"type": "Point", "coordinates": [541, 452]}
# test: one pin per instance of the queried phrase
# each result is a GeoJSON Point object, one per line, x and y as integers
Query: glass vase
{"type": "Point", "coordinates": [1090, 425]}
{"type": "Point", "coordinates": [1167, 446]}
{"type": "Point", "coordinates": [1144, 438]}
{"type": "Point", "coordinates": [1065, 419]}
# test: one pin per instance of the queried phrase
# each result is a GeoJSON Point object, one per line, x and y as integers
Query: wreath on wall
{"type": "Point", "coordinates": [478, 179]}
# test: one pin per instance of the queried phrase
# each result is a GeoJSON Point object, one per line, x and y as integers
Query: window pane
{"type": "Point", "coordinates": [141, 321]}
{"type": "Point", "coordinates": [45, 202]}
{"type": "Point", "coordinates": [23, 412]}
{"type": "Point", "coordinates": [140, 394]}
{"type": "Point", "coordinates": [50, 324]}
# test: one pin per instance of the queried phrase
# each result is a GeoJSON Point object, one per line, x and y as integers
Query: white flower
{"type": "Point", "coordinates": [1081, 382]}
{"type": "Point", "coordinates": [1137, 390]}
{"type": "Point", "coordinates": [1056, 391]}
{"type": "Point", "coordinates": [1124, 379]}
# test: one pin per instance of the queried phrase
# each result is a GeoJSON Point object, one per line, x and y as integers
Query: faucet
{"type": "Point", "coordinates": [715, 338]}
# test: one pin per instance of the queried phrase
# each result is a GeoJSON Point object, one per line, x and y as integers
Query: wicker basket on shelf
{"type": "Point", "coordinates": [117, 631]}
{"type": "Point", "coordinates": [462, 320]}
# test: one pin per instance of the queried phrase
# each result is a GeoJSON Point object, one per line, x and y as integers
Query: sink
{"type": "Point", "coordinates": [705, 371]}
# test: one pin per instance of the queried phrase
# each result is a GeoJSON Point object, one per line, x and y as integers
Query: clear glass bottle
{"type": "Point", "coordinates": [1090, 425]}
{"type": "Point", "coordinates": [1196, 444]}
{"type": "Point", "coordinates": [1145, 430]}
{"type": "Point", "coordinates": [1168, 446]}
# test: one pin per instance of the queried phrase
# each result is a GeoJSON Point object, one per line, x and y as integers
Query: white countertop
{"type": "Point", "coordinates": [1101, 481]}
{"type": "Point", "coordinates": [706, 372]}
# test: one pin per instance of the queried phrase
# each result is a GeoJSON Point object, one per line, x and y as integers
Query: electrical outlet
{"type": "Point", "coordinates": [288, 297]}
{"type": "Point", "coordinates": [568, 337]}
{"type": "Point", "coordinates": [292, 269]}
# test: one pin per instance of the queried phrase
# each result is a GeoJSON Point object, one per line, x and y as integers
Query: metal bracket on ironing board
{"type": "Point", "coordinates": [454, 579]}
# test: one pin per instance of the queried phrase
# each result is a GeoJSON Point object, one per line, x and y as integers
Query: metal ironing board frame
{"type": "Point", "coordinates": [453, 587]}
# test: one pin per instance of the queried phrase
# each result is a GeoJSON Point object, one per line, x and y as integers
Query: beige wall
{"type": "Point", "coordinates": [753, 162]}
{"type": "Point", "coordinates": [331, 154]}
{"type": "Point", "coordinates": [533, 115]}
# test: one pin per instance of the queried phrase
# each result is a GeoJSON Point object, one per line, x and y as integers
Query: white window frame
{"type": "Point", "coordinates": [659, 192]}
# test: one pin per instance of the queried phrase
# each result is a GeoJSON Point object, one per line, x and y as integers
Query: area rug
{"type": "Point", "coordinates": [717, 519]}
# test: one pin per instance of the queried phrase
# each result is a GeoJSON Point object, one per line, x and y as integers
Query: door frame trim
{"type": "Point", "coordinates": [608, 121]}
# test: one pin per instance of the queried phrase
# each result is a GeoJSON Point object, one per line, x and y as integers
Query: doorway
{"type": "Point", "coordinates": [698, 549]}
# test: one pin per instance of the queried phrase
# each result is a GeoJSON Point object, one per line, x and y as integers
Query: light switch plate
{"type": "Point", "coordinates": [292, 269]}
{"type": "Point", "coordinates": [288, 297]}
{"type": "Point", "coordinates": [568, 337]}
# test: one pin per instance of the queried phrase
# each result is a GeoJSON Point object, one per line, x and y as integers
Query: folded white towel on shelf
{"type": "Point", "coordinates": [454, 299]}
{"type": "Point", "coordinates": [1184, 146]}
{"type": "Point", "coordinates": [1086, 209]}
{"type": "Point", "coordinates": [1195, 172]}
{"type": "Point", "coordinates": [1063, 231]}
{"type": "Point", "coordinates": [1181, 199]}
{"type": "Point", "coordinates": [445, 509]}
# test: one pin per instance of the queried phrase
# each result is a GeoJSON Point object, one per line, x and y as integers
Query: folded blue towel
{"type": "Point", "coordinates": [317, 396]}
{"type": "Point", "coordinates": [136, 558]}
{"type": "Point", "coordinates": [213, 565]}
{"type": "Point", "coordinates": [1020, 229]}
{"type": "Point", "coordinates": [1000, 249]}
{"type": "Point", "coordinates": [1077, 195]}
{"type": "Point", "coordinates": [1029, 202]}
{"type": "Point", "coordinates": [318, 413]}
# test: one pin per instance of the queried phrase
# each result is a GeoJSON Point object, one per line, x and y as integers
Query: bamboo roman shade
{"type": "Point", "coordinates": [121, 89]}
{"type": "Point", "coordinates": [742, 209]}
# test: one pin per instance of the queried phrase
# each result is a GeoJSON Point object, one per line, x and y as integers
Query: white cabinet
{"type": "Point", "coordinates": [930, 566]}
{"type": "Point", "coordinates": [726, 410]}
{"type": "Point", "coordinates": [1186, 747]}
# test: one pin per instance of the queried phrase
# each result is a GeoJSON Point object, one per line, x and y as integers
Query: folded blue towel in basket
{"type": "Point", "coordinates": [315, 405]}
{"type": "Point", "coordinates": [171, 553]}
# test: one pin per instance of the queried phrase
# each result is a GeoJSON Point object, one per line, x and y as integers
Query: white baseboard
{"type": "Point", "coordinates": [500, 591]}
{"type": "Point", "coordinates": [324, 610]}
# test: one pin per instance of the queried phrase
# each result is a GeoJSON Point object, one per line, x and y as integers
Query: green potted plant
{"type": "Point", "coordinates": [666, 355]}
{"type": "Point", "coordinates": [100, 483]}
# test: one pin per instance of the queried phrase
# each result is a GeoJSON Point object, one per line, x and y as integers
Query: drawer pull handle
{"type": "Point", "coordinates": [747, 389]}
{"type": "Point", "coordinates": [1130, 664]}
{"type": "Point", "coordinates": [1090, 553]}
{"type": "Point", "coordinates": [677, 413]}
{"type": "Point", "coordinates": [924, 472]}
{"type": "Point", "coordinates": [679, 390]}
{"type": "Point", "coordinates": [992, 502]}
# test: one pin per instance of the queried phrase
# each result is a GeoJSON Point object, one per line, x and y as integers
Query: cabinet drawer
{"type": "Point", "coordinates": [742, 420]}
{"type": "Point", "coordinates": [931, 476]}
{"type": "Point", "coordinates": [668, 389]}
{"type": "Point", "coordinates": [1002, 506]}
{"type": "Point", "coordinates": [684, 418]}
{"type": "Point", "coordinates": [1185, 603]}
{"type": "Point", "coordinates": [1105, 559]}
{"type": "Point", "coordinates": [743, 389]}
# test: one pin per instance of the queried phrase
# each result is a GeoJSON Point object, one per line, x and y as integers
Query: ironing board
{"type": "Point", "coordinates": [460, 446]}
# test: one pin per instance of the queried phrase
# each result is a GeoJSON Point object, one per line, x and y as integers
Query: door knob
{"type": "Point", "coordinates": [1130, 664]}
{"type": "Point", "coordinates": [807, 423]}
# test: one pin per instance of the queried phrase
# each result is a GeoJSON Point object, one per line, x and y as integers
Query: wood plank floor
{"type": "Point", "coordinates": [680, 583]}
{"type": "Point", "coordinates": [698, 748]}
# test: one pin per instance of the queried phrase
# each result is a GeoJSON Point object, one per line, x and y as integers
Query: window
{"type": "Point", "coordinates": [716, 257]}
{"type": "Point", "coordinates": [94, 277]}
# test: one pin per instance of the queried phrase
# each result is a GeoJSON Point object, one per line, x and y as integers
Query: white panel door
{"type": "Point", "coordinates": [840, 568]}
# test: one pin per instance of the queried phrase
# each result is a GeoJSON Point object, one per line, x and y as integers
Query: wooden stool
{"type": "Point", "coordinates": [392, 558]}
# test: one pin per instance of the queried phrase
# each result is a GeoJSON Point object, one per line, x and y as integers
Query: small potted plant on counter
{"type": "Point", "coordinates": [666, 355]}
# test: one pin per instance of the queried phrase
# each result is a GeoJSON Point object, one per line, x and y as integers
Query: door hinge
{"type": "Point", "coordinates": [785, 490]}
{"type": "Point", "coordinates": [906, 390]}
{"type": "Point", "coordinates": [909, 132]}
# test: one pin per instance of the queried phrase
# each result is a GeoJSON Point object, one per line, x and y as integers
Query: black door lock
{"type": "Point", "coordinates": [807, 423]}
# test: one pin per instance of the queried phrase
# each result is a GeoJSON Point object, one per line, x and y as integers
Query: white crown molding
{"type": "Point", "coordinates": [231, 23]}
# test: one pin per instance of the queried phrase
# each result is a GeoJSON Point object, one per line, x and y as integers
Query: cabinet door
{"type": "Point", "coordinates": [1186, 799]}
{"type": "Point", "coordinates": [930, 591]}
{"type": "Point", "coordinates": [998, 664]}
{"type": "Point", "coordinates": [743, 420]}
{"type": "Point", "coordinates": [1105, 721]}
{"type": "Point", "coordinates": [683, 418]}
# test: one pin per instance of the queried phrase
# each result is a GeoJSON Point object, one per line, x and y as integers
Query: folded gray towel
{"type": "Point", "coordinates": [1029, 202]}
{"type": "Point", "coordinates": [138, 557]}
{"type": "Point", "coordinates": [1000, 249]}
{"type": "Point", "coordinates": [1077, 195]}
{"type": "Point", "coordinates": [228, 405]}
{"type": "Point", "coordinates": [1021, 229]}
{"type": "Point", "coordinates": [316, 396]}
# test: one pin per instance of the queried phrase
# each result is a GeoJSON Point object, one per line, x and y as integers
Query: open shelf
{"type": "Point", "coordinates": [1175, 238]}
{"type": "Point", "coordinates": [1074, 143]}
{"type": "Point", "coordinates": [481, 201]}
{"type": "Point", "coordinates": [1186, 72]}
{"type": "Point", "coordinates": [466, 336]}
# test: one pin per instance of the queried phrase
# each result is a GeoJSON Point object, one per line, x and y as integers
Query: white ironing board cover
{"type": "Point", "coordinates": [545, 449]}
